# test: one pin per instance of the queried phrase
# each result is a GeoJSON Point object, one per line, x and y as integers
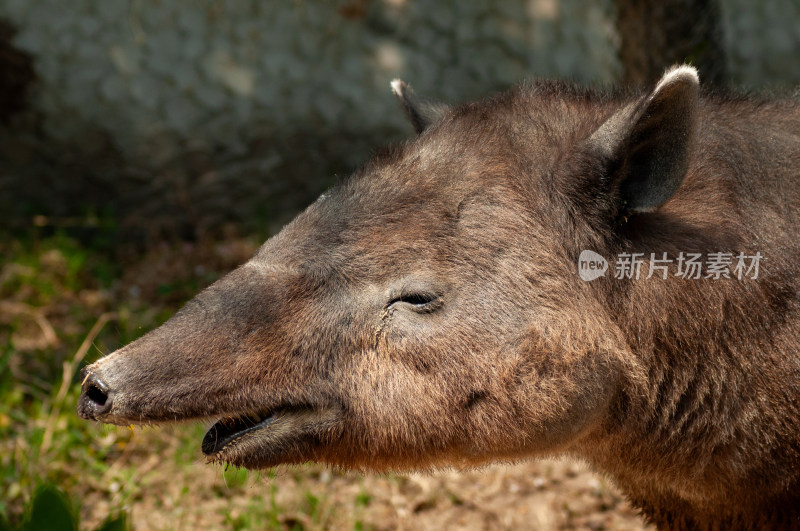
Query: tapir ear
{"type": "Point", "coordinates": [422, 112]}
{"type": "Point", "coordinates": [647, 144]}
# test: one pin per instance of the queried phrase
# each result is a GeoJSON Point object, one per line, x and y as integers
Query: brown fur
{"type": "Point", "coordinates": [683, 391]}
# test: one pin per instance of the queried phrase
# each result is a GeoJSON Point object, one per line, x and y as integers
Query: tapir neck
{"type": "Point", "coordinates": [702, 443]}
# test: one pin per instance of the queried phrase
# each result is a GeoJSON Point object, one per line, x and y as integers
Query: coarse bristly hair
{"type": "Point", "coordinates": [428, 311]}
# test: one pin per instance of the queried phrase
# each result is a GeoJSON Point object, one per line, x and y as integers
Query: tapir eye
{"type": "Point", "coordinates": [419, 301]}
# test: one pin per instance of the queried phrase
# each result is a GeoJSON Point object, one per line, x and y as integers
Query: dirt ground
{"type": "Point", "coordinates": [164, 493]}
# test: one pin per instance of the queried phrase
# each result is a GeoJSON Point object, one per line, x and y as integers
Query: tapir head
{"type": "Point", "coordinates": [428, 310]}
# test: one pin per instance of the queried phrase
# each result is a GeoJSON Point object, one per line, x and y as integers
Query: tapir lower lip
{"type": "Point", "coordinates": [229, 429]}
{"type": "Point", "coordinates": [288, 434]}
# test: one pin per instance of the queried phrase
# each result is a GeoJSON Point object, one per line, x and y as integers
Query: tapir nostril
{"type": "Point", "coordinates": [96, 395]}
{"type": "Point", "coordinates": [96, 398]}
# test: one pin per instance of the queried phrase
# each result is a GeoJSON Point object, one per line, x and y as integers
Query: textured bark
{"type": "Point", "coordinates": [656, 35]}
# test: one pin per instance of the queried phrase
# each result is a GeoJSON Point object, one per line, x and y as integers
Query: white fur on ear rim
{"type": "Point", "coordinates": [421, 112]}
{"type": "Point", "coordinates": [647, 143]}
{"type": "Point", "coordinates": [398, 86]}
{"type": "Point", "coordinates": [676, 74]}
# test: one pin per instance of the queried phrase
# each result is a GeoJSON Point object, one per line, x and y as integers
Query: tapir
{"type": "Point", "coordinates": [431, 310]}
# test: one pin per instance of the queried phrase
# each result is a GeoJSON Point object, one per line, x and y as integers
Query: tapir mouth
{"type": "Point", "coordinates": [260, 436]}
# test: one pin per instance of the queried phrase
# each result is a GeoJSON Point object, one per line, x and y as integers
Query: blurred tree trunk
{"type": "Point", "coordinates": [16, 74]}
{"type": "Point", "coordinates": [657, 34]}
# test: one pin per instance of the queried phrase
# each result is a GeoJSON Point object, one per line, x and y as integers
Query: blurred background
{"type": "Point", "coordinates": [149, 146]}
{"type": "Point", "coordinates": [175, 117]}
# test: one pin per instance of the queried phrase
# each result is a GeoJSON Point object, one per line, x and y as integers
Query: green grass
{"type": "Point", "coordinates": [59, 310]}
{"type": "Point", "coordinates": [52, 291]}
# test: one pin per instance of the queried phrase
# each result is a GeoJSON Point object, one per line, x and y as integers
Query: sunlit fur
{"type": "Point", "coordinates": [685, 392]}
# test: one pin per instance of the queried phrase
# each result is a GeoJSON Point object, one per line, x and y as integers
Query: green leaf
{"type": "Point", "coordinates": [50, 510]}
{"type": "Point", "coordinates": [119, 523]}
{"type": "Point", "coordinates": [4, 525]}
